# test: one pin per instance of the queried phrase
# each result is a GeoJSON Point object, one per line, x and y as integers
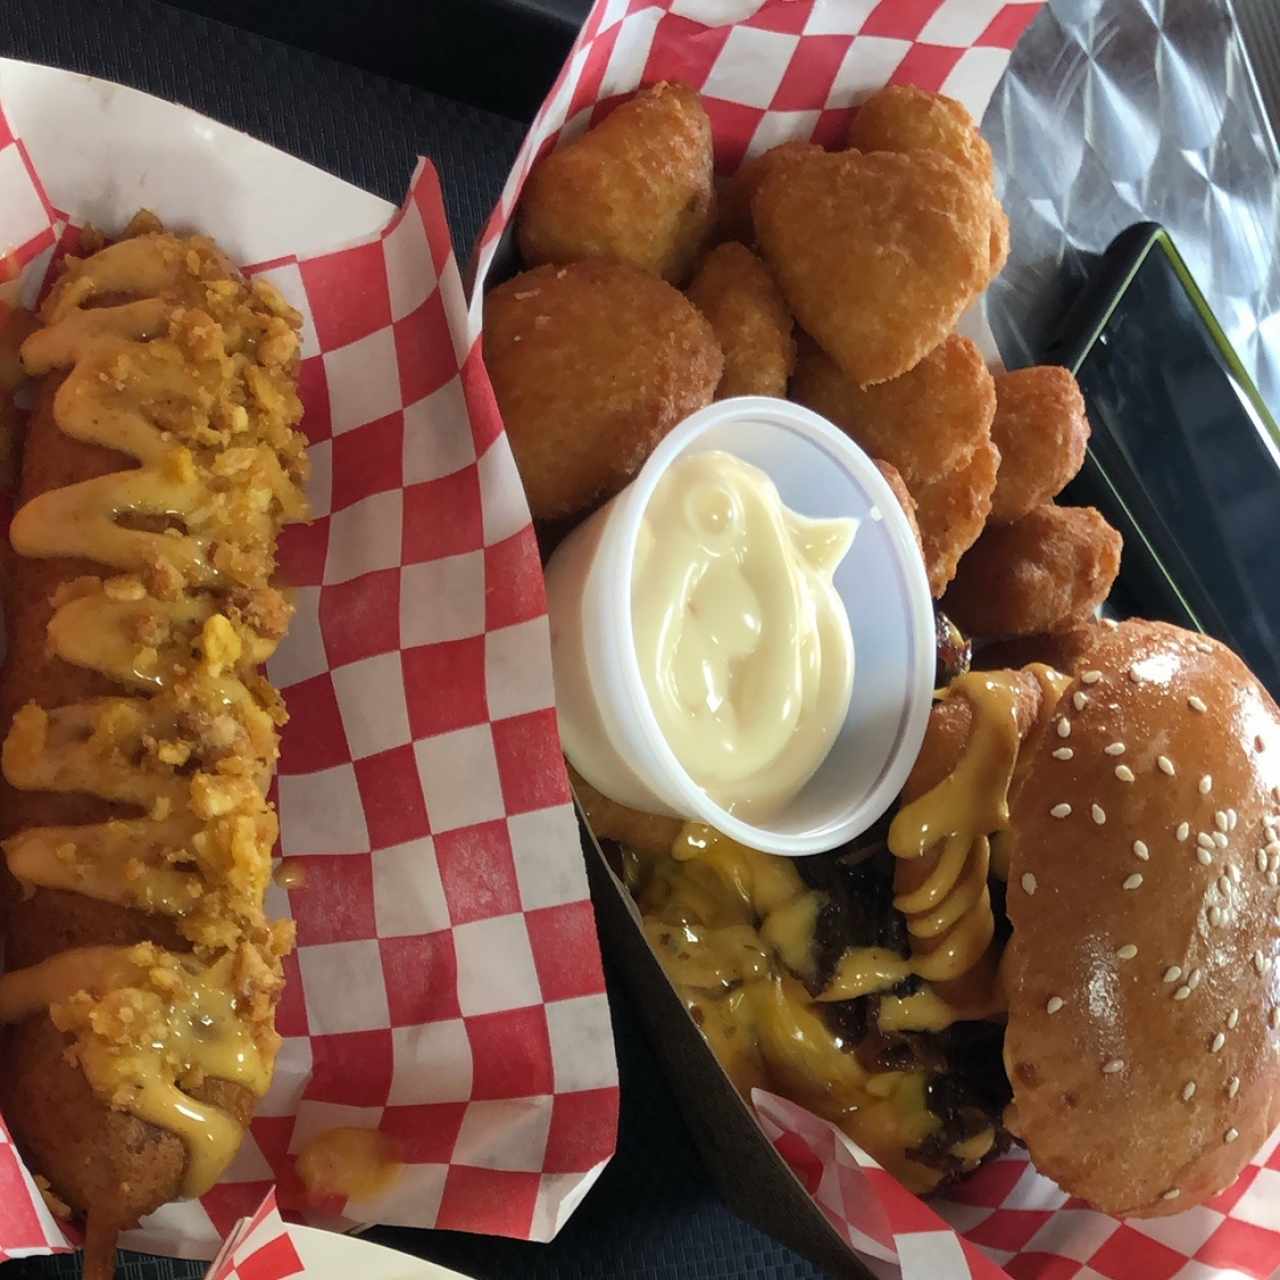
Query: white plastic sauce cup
{"type": "Point", "coordinates": [607, 725]}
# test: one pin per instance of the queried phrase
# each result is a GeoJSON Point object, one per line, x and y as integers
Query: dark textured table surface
{"type": "Point", "coordinates": [653, 1213]}
{"type": "Point", "coordinates": [366, 117]}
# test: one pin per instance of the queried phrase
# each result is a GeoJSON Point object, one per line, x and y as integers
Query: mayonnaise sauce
{"type": "Point", "coordinates": [744, 644]}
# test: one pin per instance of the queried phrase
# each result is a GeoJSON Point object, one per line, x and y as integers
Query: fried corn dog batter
{"type": "Point", "coordinates": [137, 1010]}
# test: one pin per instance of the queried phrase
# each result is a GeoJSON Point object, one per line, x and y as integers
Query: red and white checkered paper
{"type": "Point", "coordinates": [266, 1247]}
{"type": "Point", "coordinates": [446, 988]}
{"type": "Point", "coordinates": [258, 1248]}
{"type": "Point", "coordinates": [770, 71]}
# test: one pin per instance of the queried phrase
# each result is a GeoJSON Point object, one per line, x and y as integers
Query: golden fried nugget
{"type": "Point", "coordinates": [636, 189]}
{"type": "Point", "coordinates": [999, 239]}
{"type": "Point", "coordinates": [1047, 572]}
{"type": "Point", "coordinates": [736, 195]}
{"type": "Point", "coordinates": [900, 491]}
{"type": "Point", "coordinates": [951, 512]}
{"type": "Point", "coordinates": [1041, 431]}
{"type": "Point", "coordinates": [735, 291]}
{"type": "Point", "coordinates": [592, 364]}
{"type": "Point", "coordinates": [902, 118]}
{"type": "Point", "coordinates": [632, 828]}
{"type": "Point", "coordinates": [926, 423]}
{"type": "Point", "coordinates": [1065, 651]}
{"type": "Point", "coordinates": [878, 254]}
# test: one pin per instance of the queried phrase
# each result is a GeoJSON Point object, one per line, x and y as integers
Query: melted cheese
{"type": "Point", "coordinates": [352, 1163]}
{"type": "Point", "coordinates": [734, 928]}
{"type": "Point", "coordinates": [731, 927]}
{"type": "Point", "coordinates": [942, 839]}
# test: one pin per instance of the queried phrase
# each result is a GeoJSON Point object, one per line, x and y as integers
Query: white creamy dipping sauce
{"type": "Point", "coordinates": [743, 642]}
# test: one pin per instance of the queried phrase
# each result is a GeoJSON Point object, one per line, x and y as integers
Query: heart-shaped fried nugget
{"type": "Point", "coordinates": [877, 253]}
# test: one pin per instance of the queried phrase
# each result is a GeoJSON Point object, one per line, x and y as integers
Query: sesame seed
{"type": "Point", "coordinates": [1172, 973]}
{"type": "Point", "coordinates": [1233, 1019]}
{"type": "Point", "coordinates": [1127, 952]}
{"type": "Point", "coordinates": [1172, 1194]}
{"type": "Point", "coordinates": [1215, 917]}
{"type": "Point", "coordinates": [1060, 811]}
{"type": "Point", "coordinates": [1132, 882]}
{"type": "Point", "coordinates": [1204, 840]}
{"type": "Point", "coordinates": [1098, 814]}
{"type": "Point", "coordinates": [1230, 1136]}
{"type": "Point", "coordinates": [1273, 878]}
{"type": "Point", "coordinates": [1091, 677]}
{"type": "Point", "coordinates": [1110, 1068]}
{"type": "Point", "coordinates": [1063, 753]}
{"type": "Point", "coordinates": [1220, 840]}
{"type": "Point", "coordinates": [1135, 675]}
{"type": "Point", "coordinates": [1124, 773]}
{"type": "Point", "coordinates": [1233, 1086]}
{"type": "Point", "coordinates": [1028, 883]}
{"type": "Point", "coordinates": [1188, 1091]}
{"type": "Point", "coordinates": [1259, 961]}
{"type": "Point", "coordinates": [1115, 749]}
{"type": "Point", "coordinates": [1274, 1019]}
{"type": "Point", "coordinates": [1111, 624]}
{"type": "Point", "coordinates": [1218, 1041]}
{"type": "Point", "coordinates": [1165, 765]}
{"type": "Point", "coordinates": [1206, 784]}
{"type": "Point", "coordinates": [1184, 830]}
{"type": "Point", "coordinates": [1224, 886]}
{"type": "Point", "coordinates": [1273, 846]}
{"type": "Point", "coordinates": [1204, 856]}
{"type": "Point", "coordinates": [1194, 980]}
{"type": "Point", "coordinates": [1232, 818]}
{"type": "Point", "coordinates": [1196, 704]}
{"type": "Point", "coordinates": [1079, 700]}
{"type": "Point", "coordinates": [1064, 727]}
{"type": "Point", "coordinates": [1141, 851]}
{"type": "Point", "coordinates": [1055, 1003]}
{"type": "Point", "coordinates": [1261, 859]}
{"type": "Point", "coordinates": [1182, 993]}
{"type": "Point", "coordinates": [1236, 874]}
{"type": "Point", "coordinates": [1220, 821]}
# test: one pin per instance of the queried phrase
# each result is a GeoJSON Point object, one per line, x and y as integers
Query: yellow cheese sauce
{"type": "Point", "coordinates": [168, 357]}
{"type": "Point", "coordinates": [942, 843]}
{"type": "Point", "coordinates": [744, 645]}
{"type": "Point", "coordinates": [352, 1163]}
{"type": "Point", "coordinates": [735, 930]}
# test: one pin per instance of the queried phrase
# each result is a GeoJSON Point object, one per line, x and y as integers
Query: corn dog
{"type": "Point", "coordinates": [162, 457]}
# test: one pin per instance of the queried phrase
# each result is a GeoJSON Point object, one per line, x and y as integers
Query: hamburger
{"type": "Point", "coordinates": [1142, 1044]}
{"type": "Point", "coordinates": [1066, 935]}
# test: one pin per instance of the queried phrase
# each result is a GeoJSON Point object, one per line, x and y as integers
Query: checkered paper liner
{"type": "Point", "coordinates": [266, 1247]}
{"type": "Point", "coordinates": [770, 71]}
{"type": "Point", "coordinates": [257, 1248]}
{"type": "Point", "coordinates": [446, 988]}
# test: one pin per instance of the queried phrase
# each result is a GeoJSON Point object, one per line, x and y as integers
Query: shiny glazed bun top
{"type": "Point", "coordinates": [1143, 1043]}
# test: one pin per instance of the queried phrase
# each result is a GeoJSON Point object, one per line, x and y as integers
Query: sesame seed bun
{"type": "Point", "coordinates": [1157, 1074]}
